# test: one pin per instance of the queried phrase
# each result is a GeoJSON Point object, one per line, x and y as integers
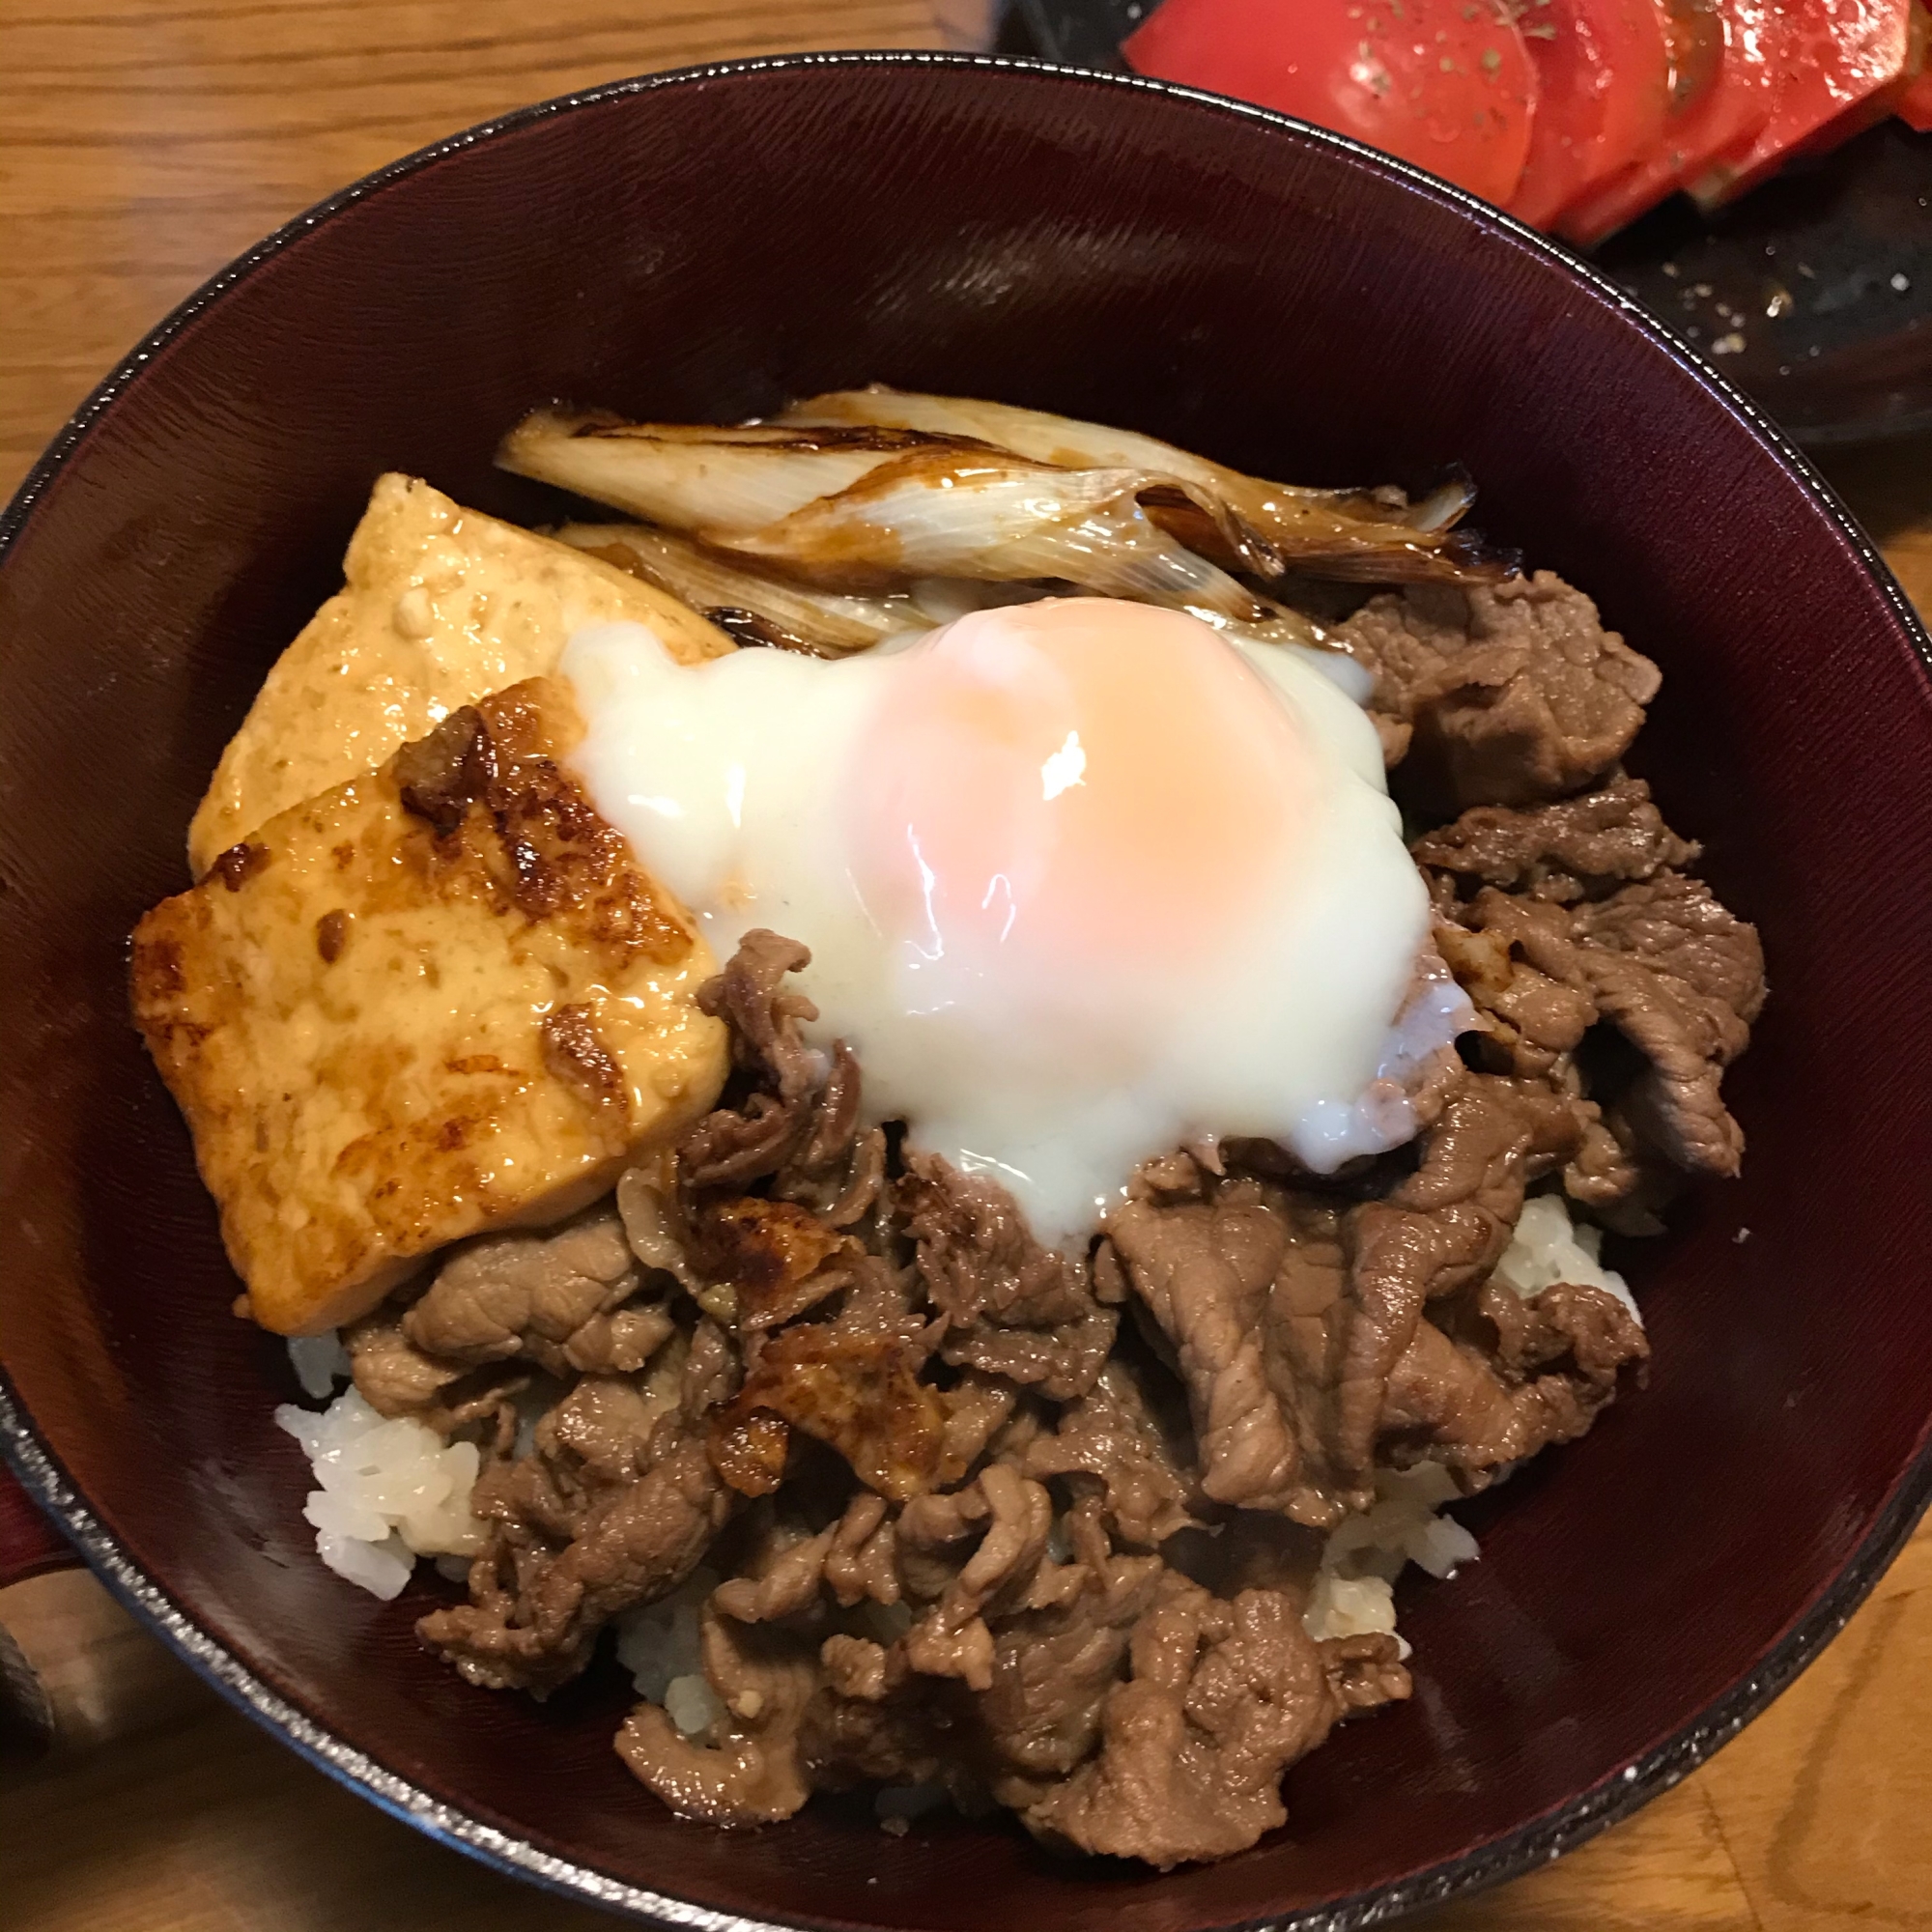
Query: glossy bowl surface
{"type": "Point", "coordinates": [705, 245]}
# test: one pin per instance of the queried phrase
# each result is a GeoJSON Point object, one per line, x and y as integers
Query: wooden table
{"type": "Point", "coordinates": [143, 143]}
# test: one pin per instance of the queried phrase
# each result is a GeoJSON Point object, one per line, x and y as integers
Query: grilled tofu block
{"type": "Point", "coordinates": [440, 998]}
{"type": "Point", "coordinates": [440, 606]}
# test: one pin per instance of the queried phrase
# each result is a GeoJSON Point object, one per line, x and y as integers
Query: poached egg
{"type": "Point", "coordinates": [1082, 880]}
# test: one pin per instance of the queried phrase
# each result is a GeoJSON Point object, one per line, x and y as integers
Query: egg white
{"type": "Point", "coordinates": [731, 780]}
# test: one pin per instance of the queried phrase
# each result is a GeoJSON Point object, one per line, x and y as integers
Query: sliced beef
{"type": "Point", "coordinates": [779, 1574]}
{"type": "Point", "coordinates": [1288, 1312]}
{"type": "Point", "coordinates": [1517, 960]}
{"type": "Point", "coordinates": [1012, 1307]}
{"type": "Point", "coordinates": [1206, 1268]}
{"type": "Point", "coordinates": [1539, 1376]}
{"type": "Point", "coordinates": [862, 1563]}
{"type": "Point", "coordinates": [958, 1580]}
{"type": "Point", "coordinates": [1503, 694]}
{"type": "Point", "coordinates": [974, 1554]}
{"type": "Point", "coordinates": [1223, 1698]}
{"type": "Point", "coordinates": [1443, 1229]}
{"type": "Point", "coordinates": [393, 1375]}
{"type": "Point", "coordinates": [1658, 959]}
{"type": "Point", "coordinates": [784, 1570]}
{"type": "Point", "coordinates": [556, 1299]}
{"type": "Point", "coordinates": [753, 1774]}
{"type": "Point", "coordinates": [1578, 848]}
{"type": "Point", "coordinates": [1113, 1436]}
{"type": "Point", "coordinates": [613, 1507]}
{"type": "Point", "coordinates": [1039, 1717]}
{"type": "Point", "coordinates": [1607, 1173]}
{"type": "Point", "coordinates": [535, 1613]}
{"type": "Point", "coordinates": [874, 1721]}
{"type": "Point", "coordinates": [1367, 1671]}
{"type": "Point", "coordinates": [796, 1123]}
{"type": "Point", "coordinates": [1682, 979]}
{"type": "Point", "coordinates": [977, 1408]}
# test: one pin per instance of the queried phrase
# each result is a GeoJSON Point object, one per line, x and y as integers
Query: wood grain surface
{"type": "Point", "coordinates": [142, 144]}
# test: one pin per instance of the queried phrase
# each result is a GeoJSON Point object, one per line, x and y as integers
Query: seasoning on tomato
{"type": "Point", "coordinates": [1834, 66]}
{"type": "Point", "coordinates": [1602, 84]}
{"type": "Point", "coordinates": [1446, 84]}
{"type": "Point", "coordinates": [1719, 100]}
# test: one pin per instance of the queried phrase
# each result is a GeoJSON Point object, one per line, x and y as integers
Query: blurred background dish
{"type": "Point", "coordinates": [1813, 289]}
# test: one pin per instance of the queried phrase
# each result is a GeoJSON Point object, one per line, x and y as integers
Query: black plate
{"type": "Point", "coordinates": [1814, 292]}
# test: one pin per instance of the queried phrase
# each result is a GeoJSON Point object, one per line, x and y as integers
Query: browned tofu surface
{"type": "Point", "coordinates": [440, 606]}
{"type": "Point", "coordinates": [438, 999]}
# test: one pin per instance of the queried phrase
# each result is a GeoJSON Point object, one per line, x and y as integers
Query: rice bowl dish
{"type": "Point", "coordinates": [1044, 1422]}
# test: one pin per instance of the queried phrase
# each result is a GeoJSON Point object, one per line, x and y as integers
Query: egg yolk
{"type": "Point", "coordinates": [1074, 786]}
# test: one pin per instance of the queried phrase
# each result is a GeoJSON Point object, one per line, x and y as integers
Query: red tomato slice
{"type": "Point", "coordinates": [1832, 63]}
{"type": "Point", "coordinates": [1602, 83]}
{"type": "Point", "coordinates": [1914, 106]}
{"type": "Point", "coordinates": [1446, 84]}
{"type": "Point", "coordinates": [1883, 100]}
{"type": "Point", "coordinates": [1719, 101]}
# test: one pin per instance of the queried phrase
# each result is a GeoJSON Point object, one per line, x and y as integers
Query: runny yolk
{"type": "Point", "coordinates": [1079, 785]}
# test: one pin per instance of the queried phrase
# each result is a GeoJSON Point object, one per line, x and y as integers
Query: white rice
{"type": "Point", "coordinates": [661, 1645]}
{"type": "Point", "coordinates": [1354, 1588]}
{"type": "Point", "coordinates": [660, 1641]}
{"type": "Point", "coordinates": [390, 1490]}
{"type": "Point", "coordinates": [897, 1806]}
{"type": "Point", "coordinates": [1549, 1247]}
{"type": "Point", "coordinates": [320, 1362]}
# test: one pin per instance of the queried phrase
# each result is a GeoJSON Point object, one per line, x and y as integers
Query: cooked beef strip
{"type": "Point", "coordinates": [977, 1408]}
{"type": "Point", "coordinates": [756, 1773]}
{"type": "Point", "coordinates": [1113, 1436]}
{"type": "Point", "coordinates": [393, 1375]}
{"type": "Point", "coordinates": [1367, 1671]}
{"type": "Point", "coordinates": [1223, 1698]}
{"type": "Point", "coordinates": [533, 1628]}
{"type": "Point", "coordinates": [1012, 1307]}
{"type": "Point", "coordinates": [556, 1299]}
{"type": "Point", "coordinates": [798, 1128]}
{"type": "Point", "coordinates": [1578, 848]}
{"type": "Point", "coordinates": [862, 1563]}
{"type": "Point", "coordinates": [1051, 1672]}
{"type": "Point", "coordinates": [1442, 1227]}
{"type": "Point", "coordinates": [1682, 979]}
{"type": "Point", "coordinates": [1659, 961]}
{"type": "Point", "coordinates": [1289, 1311]}
{"type": "Point", "coordinates": [1205, 1269]}
{"type": "Point", "coordinates": [1502, 694]}
{"type": "Point", "coordinates": [568, 1550]}
{"type": "Point", "coordinates": [566, 1302]}
{"type": "Point", "coordinates": [1475, 1407]}
{"type": "Point", "coordinates": [1516, 959]}
{"type": "Point", "coordinates": [983, 1595]}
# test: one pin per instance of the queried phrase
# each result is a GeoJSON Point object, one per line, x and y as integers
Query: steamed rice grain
{"type": "Point", "coordinates": [390, 1490]}
{"type": "Point", "coordinates": [1549, 1247]}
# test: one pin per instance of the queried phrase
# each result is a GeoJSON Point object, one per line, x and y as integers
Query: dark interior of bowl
{"type": "Point", "coordinates": [706, 248]}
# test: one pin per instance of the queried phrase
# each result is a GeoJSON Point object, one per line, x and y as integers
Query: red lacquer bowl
{"type": "Point", "coordinates": [705, 245]}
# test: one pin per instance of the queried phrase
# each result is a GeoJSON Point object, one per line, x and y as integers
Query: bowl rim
{"type": "Point", "coordinates": [1544, 1837]}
